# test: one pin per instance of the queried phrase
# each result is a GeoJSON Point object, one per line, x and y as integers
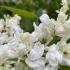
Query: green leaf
{"type": "Point", "coordinates": [64, 68]}
{"type": "Point", "coordinates": [24, 13]}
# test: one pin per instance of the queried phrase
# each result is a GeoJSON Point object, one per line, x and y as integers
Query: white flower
{"type": "Point", "coordinates": [64, 2]}
{"type": "Point", "coordinates": [11, 53]}
{"type": "Point", "coordinates": [35, 64]}
{"type": "Point", "coordinates": [54, 56]}
{"type": "Point", "coordinates": [62, 30]}
{"type": "Point", "coordinates": [45, 19]}
{"type": "Point", "coordinates": [65, 48]}
{"type": "Point", "coordinates": [64, 9]}
{"type": "Point", "coordinates": [35, 59]}
{"type": "Point", "coordinates": [13, 23]}
{"type": "Point", "coordinates": [61, 17]}
{"type": "Point", "coordinates": [62, 25]}
{"type": "Point", "coordinates": [25, 37]}
{"type": "Point", "coordinates": [36, 52]}
{"type": "Point", "coordinates": [59, 29]}
{"type": "Point", "coordinates": [12, 20]}
{"type": "Point", "coordinates": [44, 31]}
{"type": "Point", "coordinates": [25, 46]}
{"type": "Point", "coordinates": [22, 49]}
{"type": "Point", "coordinates": [27, 40]}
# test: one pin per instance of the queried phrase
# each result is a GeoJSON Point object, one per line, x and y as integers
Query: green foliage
{"type": "Point", "coordinates": [52, 7]}
{"type": "Point", "coordinates": [64, 68]}
{"type": "Point", "coordinates": [20, 12]}
{"type": "Point", "coordinates": [30, 10]}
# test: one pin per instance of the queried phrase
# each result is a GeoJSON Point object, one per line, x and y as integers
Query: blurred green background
{"type": "Point", "coordinates": [38, 7]}
{"type": "Point", "coordinates": [30, 10]}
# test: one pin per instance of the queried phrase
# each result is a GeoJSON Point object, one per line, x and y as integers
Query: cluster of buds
{"type": "Point", "coordinates": [21, 50]}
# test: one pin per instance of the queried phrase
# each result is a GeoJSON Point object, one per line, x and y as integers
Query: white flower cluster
{"type": "Point", "coordinates": [19, 49]}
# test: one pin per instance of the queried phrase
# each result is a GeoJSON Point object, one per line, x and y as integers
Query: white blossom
{"type": "Point", "coordinates": [35, 59]}
{"type": "Point", "coordinates": [64, 2]}
{"type": "Point", "coordinates": [54, 56]}
{"type": "Point", "coordinates": [24, 49]}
